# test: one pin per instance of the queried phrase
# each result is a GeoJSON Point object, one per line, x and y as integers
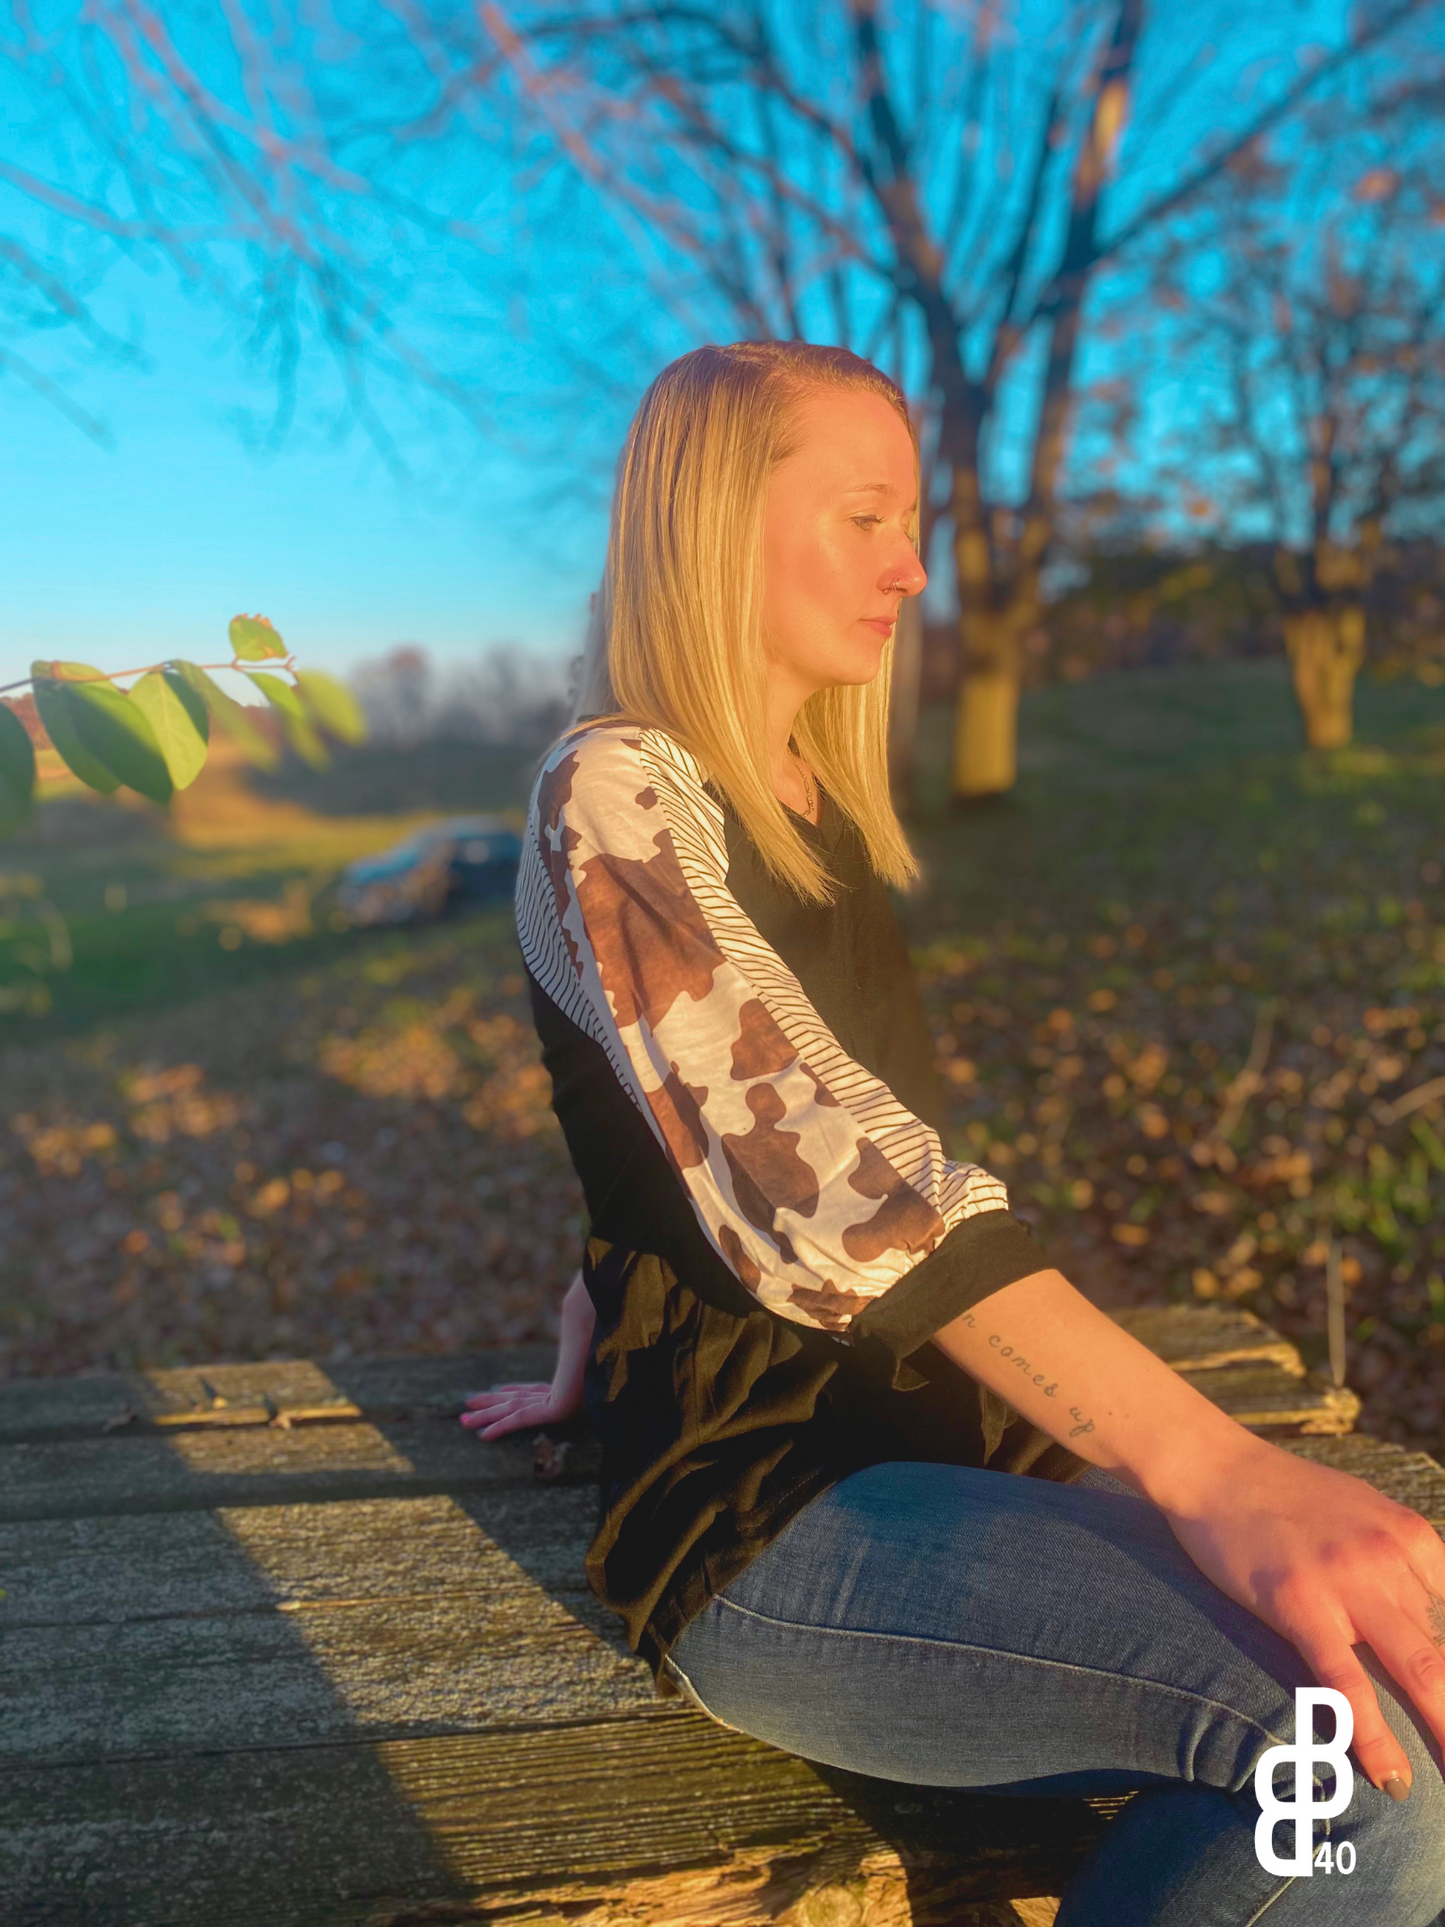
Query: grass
{"type": "Point", "coordinates": [239, 1129]}
{"type": "Point", "coordinates": [1174, 889]}
{"type": "Point", "coordinates": [230, 887]}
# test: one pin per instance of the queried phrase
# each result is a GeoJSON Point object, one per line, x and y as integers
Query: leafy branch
{"type": "Point", "coordinates": [154, 736]}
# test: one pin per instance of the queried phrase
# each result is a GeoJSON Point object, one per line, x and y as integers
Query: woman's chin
{"type": "Point", "coordinates": [855, 662]}
{"type": "Point", "coordinates": [864, 661]}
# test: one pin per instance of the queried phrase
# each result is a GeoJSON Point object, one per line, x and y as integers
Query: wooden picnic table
{"type": "Point", "coordinates": [282, 1646]}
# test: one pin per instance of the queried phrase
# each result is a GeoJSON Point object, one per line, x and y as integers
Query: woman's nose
{"type": "Point", "coordinates": [906, 573]}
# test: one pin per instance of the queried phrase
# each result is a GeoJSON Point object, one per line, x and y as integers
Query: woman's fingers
{"type": "Point", "coordinates": [513, 1385]}
{"type": "Point", "coordinates": [509, 1422]}
{"type": "Point", "coordinates": [496, 1408]}
{"type": "Point", "coordinates": [498, 1395]}
{"type": "Point", "coordinates": [1380, 1754]}
{"type": "Point", "coordinates": [506, 1408]}
{"type": "Point", "coordinates": [1402, 1615]}
{"type": "Point", "coordinates": [496, 1425]}
{"type": "Point", "coordinates": [1393, 1600]}
{"type": "Point", "coordinates": [1408, 1644]}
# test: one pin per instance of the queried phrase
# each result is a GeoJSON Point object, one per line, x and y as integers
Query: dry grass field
{"type": "Point", "coordinates": [1187, 986]}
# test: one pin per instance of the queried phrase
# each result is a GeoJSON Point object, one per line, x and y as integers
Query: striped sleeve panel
{"type": "Point", "coordinates": [818, 1189]}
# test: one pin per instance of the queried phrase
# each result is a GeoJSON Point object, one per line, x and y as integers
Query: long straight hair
{"type": "Point", "coordinates": [675, 641]}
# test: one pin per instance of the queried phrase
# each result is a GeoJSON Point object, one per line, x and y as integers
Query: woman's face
{"type": "Point", "coordinates": [837, 558]}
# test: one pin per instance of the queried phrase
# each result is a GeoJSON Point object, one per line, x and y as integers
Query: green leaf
{"type": "Point", "coordinates": [333, 705]}
{"type": "Point", "coordinates": [52, 700]}
{"type": "Point", "coordinates": [295, 723]}
{"type": "Point", "coordinates": [179, 719]}
{"type": "Point", "coordinates": [281, 696]}
{"type": "Point", "coordinates": [254, 640]}
{"type": "Point", "coordinates": [1429, 1143]}
{"type": "Point", "coordinates": [229, 716]}
{"type": "Point", "coordinates": [17, 771]}
{"type": "Point", "coordinates": [117, 733]}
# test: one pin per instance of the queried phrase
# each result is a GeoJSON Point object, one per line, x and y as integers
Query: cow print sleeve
{"type": "Point", "coordinates": [829, 1200]}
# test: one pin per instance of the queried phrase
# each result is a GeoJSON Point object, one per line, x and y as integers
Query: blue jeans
{"type": "Point", "coordinates": [946, 1626]}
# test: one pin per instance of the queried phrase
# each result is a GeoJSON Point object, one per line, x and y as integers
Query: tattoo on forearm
{"type": "Point", "coordinates": [1082, 1425]}
{"type": "Point", "coordinates": [1021, 1364]}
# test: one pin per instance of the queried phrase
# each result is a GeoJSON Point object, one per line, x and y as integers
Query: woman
{"type": "Point", "coordinates": [878, 1485]}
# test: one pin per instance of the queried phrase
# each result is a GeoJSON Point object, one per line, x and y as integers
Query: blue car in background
{"type": "Point", "coordinates": [461, 858]}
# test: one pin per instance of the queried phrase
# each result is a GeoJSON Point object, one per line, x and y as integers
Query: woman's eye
{"type": "Point", "coordinates": [868, 521]}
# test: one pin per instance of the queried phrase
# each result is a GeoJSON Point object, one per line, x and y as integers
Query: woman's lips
{"type": "Point", "coordinates": [882, 624]}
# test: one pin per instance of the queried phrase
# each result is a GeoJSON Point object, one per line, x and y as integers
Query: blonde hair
{"type": "Point", "coordinates": [675, 641]}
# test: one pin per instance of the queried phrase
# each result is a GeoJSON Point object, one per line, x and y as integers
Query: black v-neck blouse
{"type": "Point", "coordinates": [747, 1089]}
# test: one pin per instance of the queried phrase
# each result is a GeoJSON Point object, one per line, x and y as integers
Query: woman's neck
{"type": "Point", "coordinates": [793, 782]}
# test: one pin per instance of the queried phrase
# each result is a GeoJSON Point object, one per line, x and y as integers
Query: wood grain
{"type": "Point", "coordinates": [285, 1645]}
{"type": "Point", "coordinates": [1196, 1337]}
{"type": "Point", "coordinates": [525, 1822]}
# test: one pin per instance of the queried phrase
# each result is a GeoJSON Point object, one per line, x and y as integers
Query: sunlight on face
{"type": "Point", "coordinates": [837, 555]}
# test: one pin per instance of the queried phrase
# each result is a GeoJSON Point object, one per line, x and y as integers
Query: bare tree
{"type": "Point", "coordinates": [939, 186]}
{"type": "Point", "coordinates": [291, 167]}
{"type": "Point", "coordinates": [1304, 304]}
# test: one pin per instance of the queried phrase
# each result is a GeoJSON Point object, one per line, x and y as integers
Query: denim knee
{"type": "Point", "coordinates": [1411, 1836]}
{"type": "Point", "coordinates": [1413, 1839]}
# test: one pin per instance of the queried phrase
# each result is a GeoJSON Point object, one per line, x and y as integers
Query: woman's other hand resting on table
{"type": "Point", "coordinates": [1322, 1557]}
{"type": "Point", "coordinates": [511, 1408]}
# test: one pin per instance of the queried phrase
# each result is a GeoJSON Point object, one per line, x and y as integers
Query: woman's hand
{"type": "Point", "coordinates": [512, 1407]}
{"type": "Point", "coordinates": [1320, 1556]}
{"type": "Point", "coordinates": [1330, 1563]}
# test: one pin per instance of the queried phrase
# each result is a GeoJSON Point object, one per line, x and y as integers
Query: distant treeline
{"type": "Point", "coordinates": [1149, 608]}
{"type": "Point", "coordinates": [507, 695]}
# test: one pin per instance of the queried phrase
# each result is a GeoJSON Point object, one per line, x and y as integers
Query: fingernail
{"type": "Point", "coordinates": [1397, 1786]}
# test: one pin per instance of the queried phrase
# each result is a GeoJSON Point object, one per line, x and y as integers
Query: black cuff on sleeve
{"type": "Point", "coordinates": [979, 1256]}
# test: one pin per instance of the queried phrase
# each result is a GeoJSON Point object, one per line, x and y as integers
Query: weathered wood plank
{"type": "Point", "coordinates": [108, 1570]}
{"type": "Point", "coordinates": [415, 1666]}
{"type": "Point", "coordinates": [262, 1465]}
{"type": "Point", "coordinates": [1195, 1338]}
{"type": "Point", "coordinates": [394, 1616]}
{"type": "Point", "coordinates": [46, 1408]}
{"type": "Point", "coordinates": [185, 1471]}
{"type": "Point", "coordinates": [1190, 1338]}
{"type": "Point", "coordinates": [700, 1826]}
{"type": "Point", "coordinates": [105, 1571]}
{"type": "Point", "coordinates": [1268, 1399]}
{"type": "Point", "coordinates": [266, 1452]}
{"type": "Point", "coordinates": [302, 1623]}
{"type": "Point", "coordinates": [347, 1671]}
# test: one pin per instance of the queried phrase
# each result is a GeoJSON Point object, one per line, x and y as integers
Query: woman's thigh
{"type": "Point", "coordinates": [953, 1627]}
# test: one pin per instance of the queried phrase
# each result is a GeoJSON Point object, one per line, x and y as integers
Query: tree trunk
{"type": "Point", "coordinates": [998, 601]}
{"type": "Point", "coordinates": [1326, 647]}
{"type": "Point", "coordinates": [985, 731]}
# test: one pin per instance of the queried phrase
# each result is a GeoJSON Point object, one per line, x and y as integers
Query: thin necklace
{"type": "Point", "coordinates": [810, 797]}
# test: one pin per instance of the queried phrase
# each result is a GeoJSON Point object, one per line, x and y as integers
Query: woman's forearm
{"type": "Point", "coordinates": [574, 1337]}
{"type": "Point", "coordinates": [1065, 1365]}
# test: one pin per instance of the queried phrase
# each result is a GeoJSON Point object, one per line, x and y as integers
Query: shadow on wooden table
{"type": "Point", "coordinates": [282, 1644]}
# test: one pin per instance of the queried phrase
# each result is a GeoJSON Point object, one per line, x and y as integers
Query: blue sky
{"type": "Point", "coordinates": [146, 547]}
{"type": "Point", "coordinates": [153, 543]}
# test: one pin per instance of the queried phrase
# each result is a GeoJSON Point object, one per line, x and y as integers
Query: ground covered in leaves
{"type": "Point", "coordinates": [1187, 985]}
{"type": "Point", "coordinates": [1197, 1023]}
{"type": "Point", "coordinates": [359, 1159]}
